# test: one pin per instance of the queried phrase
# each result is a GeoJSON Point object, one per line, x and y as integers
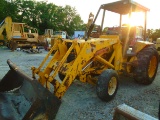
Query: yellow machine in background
{"type": "Point", "coordinates": [6, 24]}
{"type": "Point", "coordinates": [49, 37]}
{"type": "Point", "coordinates": [18, 34]}
{"type": "Point", "coordinates": [98, 61]}
{"type": "Point", "coordinates": [158, 45]}
{"type": "Point", "coordinates": [2, 42]}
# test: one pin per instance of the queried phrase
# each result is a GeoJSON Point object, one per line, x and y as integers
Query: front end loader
{"type": "Point", "coordinates": [98, 61]}
{"type": "Point", "coordinates": [107, 57]}
{"type": "Point", "coordinates": [23, 98]}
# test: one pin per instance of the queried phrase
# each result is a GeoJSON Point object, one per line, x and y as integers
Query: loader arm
{"type": "Point", "coordinates": [2, 26]}
{"type": "Point", "coordinates": [74, 58]}
{"type": "Point", "coordinates": [6, 24]}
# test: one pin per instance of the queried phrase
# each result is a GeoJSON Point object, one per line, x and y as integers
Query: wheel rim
{"type": "Point", "coordinates": [112, 86]}
{"type": "Point", "coordinates": [152, 66]}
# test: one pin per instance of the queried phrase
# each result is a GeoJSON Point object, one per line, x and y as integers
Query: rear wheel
{"type": "Point", "coordinates": [107, 85]}
{"type": "Point", "coordinates": [145, 71]}
{"type": "Point", "coordinates": [2, 42]}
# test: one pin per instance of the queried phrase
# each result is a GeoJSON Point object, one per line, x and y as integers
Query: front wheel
{"type": "Point", "coordinates": [107, 85]}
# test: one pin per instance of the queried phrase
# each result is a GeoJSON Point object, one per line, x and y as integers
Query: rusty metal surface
{"type": "Point", "coordinates": [123, 7]}
{"type": "Point", "coordinates": [126, 112]}
{"type": "Point", "coordinates": [81, 102]}
{"type": "Point", "coordinates": [21, 97]}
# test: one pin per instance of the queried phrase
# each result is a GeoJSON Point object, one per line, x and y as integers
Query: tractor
{"type": "Point", "coordinates": [99, 61]}
{"type": "Point", "coordinates": [18, 35]}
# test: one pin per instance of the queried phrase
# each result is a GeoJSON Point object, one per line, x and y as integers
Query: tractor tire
{"type": "Point", "coordinates": [7, 44]}
{"type": "Point", "coordinates": [107, 85]}
{"type": "Point", "coordinates": [10, 46]}
{"type": "Point", "coordinates": [147, 64]}
{"type": "Point", "coordinates": [2, 43]}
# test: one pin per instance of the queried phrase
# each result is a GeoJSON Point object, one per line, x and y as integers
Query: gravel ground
{"type": "Point", "coordinates": [80, 101]}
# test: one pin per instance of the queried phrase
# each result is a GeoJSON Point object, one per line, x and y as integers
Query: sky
{"type": "Point", "coordinates": [84, 7]}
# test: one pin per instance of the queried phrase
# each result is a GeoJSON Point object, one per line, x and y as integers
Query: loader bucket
{"type": "Point", "coordinates": [23, 98]}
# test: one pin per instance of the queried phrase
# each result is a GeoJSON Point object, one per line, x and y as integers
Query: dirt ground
{"type": "Point", "coordinates": [80, 101]}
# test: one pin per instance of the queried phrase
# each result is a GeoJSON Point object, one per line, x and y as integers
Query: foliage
{"type": "Point", "coordinates": [42, 15]}
{"type": "Point", "coordinates": [154, 34]}
{"type": "Point", "coordinates": [7, 9]}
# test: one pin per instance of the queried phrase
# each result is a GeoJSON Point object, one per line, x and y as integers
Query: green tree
{"type": "Point", "coordinates": [71, 20]}
{"type": "Point", "coordinates": [7, 9]}
{"type": "Point", "coordinates": [2, 8]}
{"type": "Point", "coordinates": [154, 34]}
{"type": "Point", "coordinates": [42, 15]}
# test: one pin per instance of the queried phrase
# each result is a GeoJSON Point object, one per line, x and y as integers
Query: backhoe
{"type": "Point", "coordinates": [17, 35]}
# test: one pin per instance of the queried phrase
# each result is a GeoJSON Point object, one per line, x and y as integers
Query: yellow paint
{"type": "Point", "coordinates": [91, 57]}
{"type": "Point", "coordinates": [158, 45]}
{"type": "Point", "coordinates": [152, 66]}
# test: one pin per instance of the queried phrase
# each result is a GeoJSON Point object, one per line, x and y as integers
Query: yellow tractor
{"type": "Point", "coordinates": [98, 61]}
{"type": "Point", "coordinates": [158, 45]}
{"type": "Point", "coordinates": [17, 34]}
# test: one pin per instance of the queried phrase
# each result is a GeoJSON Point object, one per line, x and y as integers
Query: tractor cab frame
{"type": "Point", "coordinates": [123, 7]}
